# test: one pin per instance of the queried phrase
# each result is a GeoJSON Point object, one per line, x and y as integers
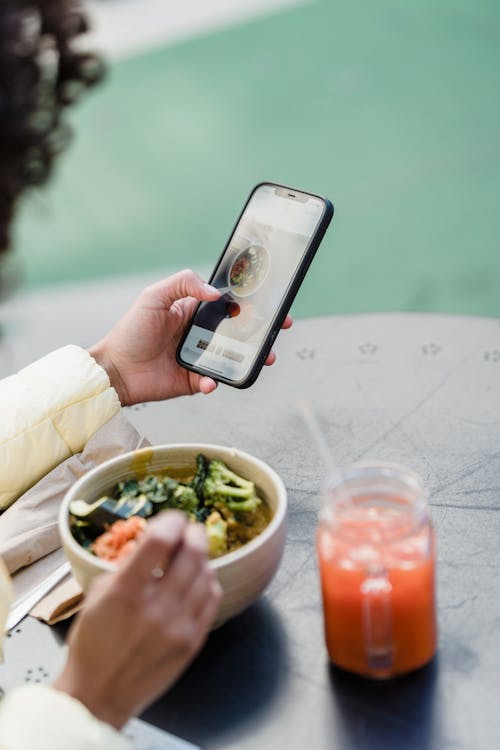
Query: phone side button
{"type": "Point", "coordinates": [272, 337]}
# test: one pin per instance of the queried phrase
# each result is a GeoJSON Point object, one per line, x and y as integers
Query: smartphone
{"type": "Point", "coordinates": [258, 274]}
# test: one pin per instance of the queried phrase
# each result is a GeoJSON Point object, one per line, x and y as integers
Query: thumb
{"type": "Point", "coordinates": [185, 283]}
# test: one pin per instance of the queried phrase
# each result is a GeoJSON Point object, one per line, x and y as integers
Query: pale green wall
{"type": "Point", "coordinates": [390, 108]}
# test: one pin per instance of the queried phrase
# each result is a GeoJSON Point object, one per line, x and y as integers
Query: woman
{"type": "Point", "coordinates": [51, 408]}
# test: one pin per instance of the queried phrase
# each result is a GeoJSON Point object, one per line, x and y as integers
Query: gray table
{"type": "Point", "coordinates": [423, 390]}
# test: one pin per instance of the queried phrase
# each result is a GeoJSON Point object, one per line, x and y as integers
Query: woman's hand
{"type": "Point", "coordinates": [140, 627]}
{"type": "Point", "coordinates": [139, 352]}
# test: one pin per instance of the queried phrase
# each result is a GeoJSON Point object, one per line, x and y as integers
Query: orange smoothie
{"type": "Point", "coordinates": [378, 587]}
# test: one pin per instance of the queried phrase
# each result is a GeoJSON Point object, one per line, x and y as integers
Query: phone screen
{"type": "Point", "coordinates": [263, 255]}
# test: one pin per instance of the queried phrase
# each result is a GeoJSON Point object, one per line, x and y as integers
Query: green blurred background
{"type": "Point", "coordinates": [391, 109]}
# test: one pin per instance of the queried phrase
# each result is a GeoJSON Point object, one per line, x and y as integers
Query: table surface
{"type": "Point", "coordinates": [422, 390]}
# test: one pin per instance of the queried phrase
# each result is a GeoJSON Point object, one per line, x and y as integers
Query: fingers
{"type": "Point", "coordinates": [201, 383]}
{"type": "Point", "coordinates": [182, 284]}
{"type": "Point", "coordinates": [207, 385]}
{"type": "Point", "coordinates": [207, 607]}
{"type": "Point", "coordinates": [188, 564]}
{"type": "Point", "coordinates": [179, 548]}
{"type": "Point", "coordinates": [204, 587]}
{"type": "Point", "coordinates": [201, 606]}
{"type": "Point", "coordinates": [271, 357]}
{"type": "Point", "coordinates": [158, 547]}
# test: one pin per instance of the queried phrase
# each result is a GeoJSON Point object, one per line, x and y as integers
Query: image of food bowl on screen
{"type": "Point", "coordinates": [248, 270]}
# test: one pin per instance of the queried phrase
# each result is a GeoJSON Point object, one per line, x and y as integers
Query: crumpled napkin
{"type": "Point", "coordinates": [28, 528]}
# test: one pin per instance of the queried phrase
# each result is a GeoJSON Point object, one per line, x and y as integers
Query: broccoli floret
{"type": "Point", "coordinates": [244, 506]}
{"type": "Point", "coordinates": [223, 485]}
{"type": "Point", "coordinates": [184, 498]}
{"type": "Point", "coordinates": [217, 534]}
{"type": "Point", "coordinates": [165, 492]}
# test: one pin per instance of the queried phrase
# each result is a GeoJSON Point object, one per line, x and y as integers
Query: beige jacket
{"type": "Point", "coordinates": [48, 412]}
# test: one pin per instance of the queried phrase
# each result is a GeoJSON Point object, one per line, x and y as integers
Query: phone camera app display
{"type": "Point", "coordinates": [261, 259]}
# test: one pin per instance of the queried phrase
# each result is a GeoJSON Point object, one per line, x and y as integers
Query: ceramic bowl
{"type": "Point", "coordinates": [244, 573]}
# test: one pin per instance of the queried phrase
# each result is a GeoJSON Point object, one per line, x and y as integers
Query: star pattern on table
{"type": "Point", "coordinates": [368, 348]}
{"type": "Point", "coordinates": [306, 353]}
{"type": "Point", "coordinates": [138, 407]}
{"type": "Point", "coordinates": [492, 356]}
{"type": "Point", "coordinates": [36, 675]}
{"type": "Point", "coordinates": [431, 349]}
{"type": "Point", "coordinates": [14, 631]}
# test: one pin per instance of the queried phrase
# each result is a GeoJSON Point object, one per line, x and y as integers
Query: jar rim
{"type": "Point", "coordinates": [344, 485]}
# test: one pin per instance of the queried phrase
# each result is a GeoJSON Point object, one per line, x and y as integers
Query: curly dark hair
{"type": "Point", "coordinates": [41, 73]}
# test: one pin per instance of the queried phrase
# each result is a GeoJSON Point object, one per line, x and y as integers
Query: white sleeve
{"type": "Point", "coordinates": [49, 411]}
{"type": "Point", "coordinates": [37, 717]}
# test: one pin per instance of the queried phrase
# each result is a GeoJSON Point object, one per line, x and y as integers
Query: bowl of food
{"type": "Point", "coordinates": [248, 270]}
{"type": "Point", "coordinates": [240, 499]}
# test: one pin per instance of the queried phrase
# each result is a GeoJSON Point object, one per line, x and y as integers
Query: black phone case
{"type": "Point", "coordinates": [285, 304]}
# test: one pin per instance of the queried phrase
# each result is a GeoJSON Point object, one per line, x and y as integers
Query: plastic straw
{"type": "Point", "coordinates": [311, 421]}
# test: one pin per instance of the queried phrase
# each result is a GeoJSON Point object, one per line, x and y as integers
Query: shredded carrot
{"type": "Point", "coordinates": [120, 538]}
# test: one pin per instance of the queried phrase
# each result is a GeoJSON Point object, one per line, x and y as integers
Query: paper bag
{"type": "Point", "coordinates": [29, 527]}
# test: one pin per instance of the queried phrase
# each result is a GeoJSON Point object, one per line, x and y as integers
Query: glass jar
{"type": "Point", "coordinates": [376, 551]}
